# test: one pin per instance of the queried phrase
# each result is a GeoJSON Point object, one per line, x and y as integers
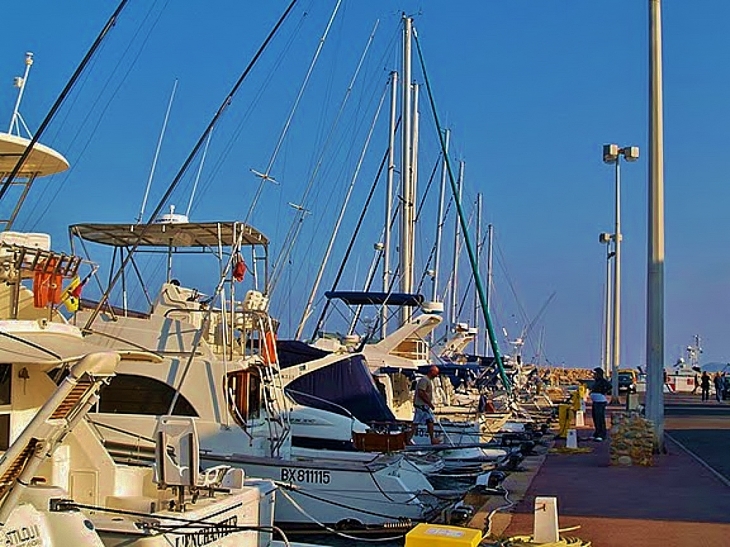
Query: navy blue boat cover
{"type": "Point", "coordinates": [347, 383]}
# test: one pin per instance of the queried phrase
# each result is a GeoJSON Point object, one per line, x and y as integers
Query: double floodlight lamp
{"type": "Point", "coordinates": [611, 153]}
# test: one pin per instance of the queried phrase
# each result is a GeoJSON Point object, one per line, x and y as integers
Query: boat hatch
{"type": "Point", "coordinates": [244, 391]}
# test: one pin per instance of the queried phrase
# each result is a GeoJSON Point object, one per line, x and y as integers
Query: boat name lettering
{"type": "Point", "coordinates": [207, 535]}
{"type": "Point", "coordinates": [27, 536]}
{"type": "Point", "coordinates": [317, 476]}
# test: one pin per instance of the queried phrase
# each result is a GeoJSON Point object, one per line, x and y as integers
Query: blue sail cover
{"type": "Point", "coordinates": [347, 383]}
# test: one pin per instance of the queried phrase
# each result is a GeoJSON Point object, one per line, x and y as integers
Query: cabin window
{"type": "Point", "coordinates": [4, 431]}
{"type": "Point", "coordinates": [6, 374]}
{"type": "Point", "coordinates": [130, 394]}
{"type": "Point", "coordinates": [244, 392]}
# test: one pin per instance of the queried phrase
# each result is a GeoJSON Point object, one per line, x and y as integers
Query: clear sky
{"type": "Point", "coordinates": [530, 90]}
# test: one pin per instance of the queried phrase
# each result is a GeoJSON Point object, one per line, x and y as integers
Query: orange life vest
{"type": "Point", "coordinates": [47, 284]}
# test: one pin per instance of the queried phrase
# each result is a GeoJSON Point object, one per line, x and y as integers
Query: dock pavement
{"type": "Point", "coordinates": [682, 500]}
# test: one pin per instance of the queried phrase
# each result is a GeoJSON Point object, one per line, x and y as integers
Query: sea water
{"type": "Point", "coordinates": [332, 540]}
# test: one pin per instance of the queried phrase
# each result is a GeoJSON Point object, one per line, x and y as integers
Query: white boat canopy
{"type": "Point", "coordinates": [165, 235]}
{"type": "Point", "coordinates": [41, 162]}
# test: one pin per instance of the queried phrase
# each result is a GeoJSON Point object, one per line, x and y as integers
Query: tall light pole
{"type": "Point", "coordinates": [655, 262]}
{"type": "Point", "coordinates": [606, 239]}
{"type": "Point", "coordinates": [612, 154]}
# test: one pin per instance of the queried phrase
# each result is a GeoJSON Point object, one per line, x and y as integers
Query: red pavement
{"type": "Point", "coordinates": [677, 502]}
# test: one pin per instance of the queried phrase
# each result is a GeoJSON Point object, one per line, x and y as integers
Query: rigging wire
{"type": "Point", "coordinates": [369, 95]}
{"type": "Point", "coordinates": [338, 223]}
{"type": "Point", "coordinates": [472, 257]}
{"type": "Point", "coordinates": [266, 175]}
{"type": "Point", "coordinates": [289, 239]}
{"type": "Point", "coordinates": [355, 233]}
{"type": "Point", "coordinates": [59, 101]}
{"type": "Point", "coordinates": [163, 200]}
{"type": "Point", "coordinates": [89, 110]}
{"type": "Point", "coordinates": [225, 152]}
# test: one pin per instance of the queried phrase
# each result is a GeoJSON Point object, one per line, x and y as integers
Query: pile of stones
{"type": "Point", "coordinates": [632, 439]}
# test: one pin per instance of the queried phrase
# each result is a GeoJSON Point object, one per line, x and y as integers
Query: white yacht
{"type": "Point", "coordinates": [59, 486]}
{"type": "Point", "coordinates": [219, 366]}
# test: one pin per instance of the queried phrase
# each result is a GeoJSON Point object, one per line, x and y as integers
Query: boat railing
{"type": "Point", "coordinates": [47, 270]}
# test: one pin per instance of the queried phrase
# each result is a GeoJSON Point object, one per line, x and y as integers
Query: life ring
{"type": "Point", "coordinates": [47, 284]}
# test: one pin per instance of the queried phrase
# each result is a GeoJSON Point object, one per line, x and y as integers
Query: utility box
{"type": "Point", "coordinates": [435, 535]}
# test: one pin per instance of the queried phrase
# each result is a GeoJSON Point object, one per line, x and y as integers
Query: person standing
{"type": "Point", "coordinates": [697, 384]}
{"type": "Point", "coordinates": [601, 387]}
{"type": "Point", "coordinates": [717, 380]}
{"type": "Point", "coordinates": [705, 385]}
{"type": "Point", "coordinates": [423, 405]}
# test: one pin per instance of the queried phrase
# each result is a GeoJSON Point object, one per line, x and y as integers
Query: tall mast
{"type": "Point", "coordinates": [406, 233]}
{"type": "Point", "coordinates": [479, 255]}
{"type": "Point", "coordinates": [389, 197]}
{"type": "Point", "coordinates": [455, 262]}
{"type": "Point", "coordinates": [415, 126]}
{"type": "Point", "coordinates": [440, 222]}
{"type": "Point", "coordinates": [488, 295]}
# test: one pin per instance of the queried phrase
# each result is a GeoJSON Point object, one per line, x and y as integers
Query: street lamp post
{"type": "Point", "coordinates": [606, 239]}
{"type": "Point", "coordinates": [612, 154]}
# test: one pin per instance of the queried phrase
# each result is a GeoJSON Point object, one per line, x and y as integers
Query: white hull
{"type": "Point", "coordinates": [337, 492]}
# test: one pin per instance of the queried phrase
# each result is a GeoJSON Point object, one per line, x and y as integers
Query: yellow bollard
{"type": "Point", "coordinates": [565, 417]}
{"type": "Point", "coordinates": [575, 399]}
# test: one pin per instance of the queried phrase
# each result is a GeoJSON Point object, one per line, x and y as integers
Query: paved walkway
{"type": "Point", "coordinates": [677, 502]}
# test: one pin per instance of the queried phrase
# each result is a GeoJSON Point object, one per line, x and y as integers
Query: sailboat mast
{"type": "Point", "coordinates": [455, 261]}
{"type": "Point", "coordinates": [488, 292]}
{"type": "Point", "coordinates": [440, 221]}
{"type": "Point", "coordinates": [415, 125]}
{"type": "Point", "coordinates": [389, 196]}
{"type": "Point", "coordinates": [406, 229]}
{"type": "Point", "coordinates": [479, 255]}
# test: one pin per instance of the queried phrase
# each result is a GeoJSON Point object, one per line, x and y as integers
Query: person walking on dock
{"type": "Point", "coordinates": [705, 385]}
{"type": "Point", "coordinates": [697, 384]}
{"type": "Point", "coordinates": [423, 405]}
{"type": "Point", "coordinates": [717, 380]}
{"type": "Point", "coordinates": [601, 388]}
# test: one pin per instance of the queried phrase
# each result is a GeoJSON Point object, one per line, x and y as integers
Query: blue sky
{"type": "Point", "coordinates": [530, 90]}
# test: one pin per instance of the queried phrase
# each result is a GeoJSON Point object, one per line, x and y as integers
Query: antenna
{"type": "Point", "coordinates": [20, 82]}
{"type": "Point", "coordinates": [157, 154]}
{"type": "Point", "coordinates": [200, 170]}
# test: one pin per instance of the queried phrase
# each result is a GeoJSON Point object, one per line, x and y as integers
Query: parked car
{"type": "Point", "coordinates": [627, 380]}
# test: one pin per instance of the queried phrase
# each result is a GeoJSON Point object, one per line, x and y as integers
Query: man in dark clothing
{"type": "Point", "coordinates": [705, 385]}
{"type": "Point", "coordinates": [601, 388]}
{"type": "Point", "coordinates": [697, 384]}
{"type": "Point", "coordinates": [717, 380]}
